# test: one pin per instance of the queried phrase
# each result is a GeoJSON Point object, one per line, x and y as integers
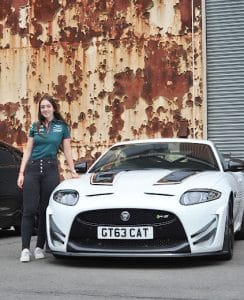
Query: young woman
{"type": "Point", "coordinates": [39, 175]}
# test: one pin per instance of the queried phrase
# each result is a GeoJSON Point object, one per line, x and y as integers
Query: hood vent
{"type": "Point", "coordinates": [104, 178]}
{"type": "Point", "coordinates": [176, 177]}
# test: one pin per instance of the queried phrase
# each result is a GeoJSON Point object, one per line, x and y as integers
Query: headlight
{"type": "Point", "coordinates": [199, 196]}
{"type": "Point", "coordinates": [66, 197]}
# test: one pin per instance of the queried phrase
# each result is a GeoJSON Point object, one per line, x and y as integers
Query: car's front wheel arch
{"type": "Point", "coordinates": [228, 245]}
{"type": "Point", "coordinates": [240, 234]}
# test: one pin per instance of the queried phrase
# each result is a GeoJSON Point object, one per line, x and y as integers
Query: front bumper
{"type": "Point", "coordinates": [190, 231]}
{"type": "Point", "coordinates": [170, 238]}
{"type": "Point", "coordinates": [145, 254]}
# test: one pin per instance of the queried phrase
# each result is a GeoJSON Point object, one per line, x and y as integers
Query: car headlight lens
{"type": "Point", "coordinates": [66, 197]}
{"type": "Point", "coordinates": [199, 196]}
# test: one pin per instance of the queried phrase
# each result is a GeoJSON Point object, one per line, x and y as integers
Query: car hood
{"type": "Point", "coordinates": [161, 181]}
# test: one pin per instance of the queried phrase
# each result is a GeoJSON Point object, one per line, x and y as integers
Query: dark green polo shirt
{"type": "Point", "coordinates": [47, 142]}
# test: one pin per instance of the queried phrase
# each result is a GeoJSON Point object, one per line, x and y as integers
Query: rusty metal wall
{"type": "Point", "coordinates": [120, 69]}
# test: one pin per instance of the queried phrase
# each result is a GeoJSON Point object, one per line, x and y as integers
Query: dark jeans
{"type": "Point", "coordinates": [41, 177]}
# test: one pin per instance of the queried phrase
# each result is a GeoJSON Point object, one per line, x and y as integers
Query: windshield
{"type": "Point", "coordinates": [158, 155]}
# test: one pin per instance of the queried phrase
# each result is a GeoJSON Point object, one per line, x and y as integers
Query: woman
{"type": "Point", "coordinates": [38, 174]}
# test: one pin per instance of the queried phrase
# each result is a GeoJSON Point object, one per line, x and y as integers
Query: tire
{"type": "Point", "coordinates": [240, 234]}
{"type": "Point", "coordinates": [229, 235]}
{"type": "Point", "coordinates": [57, 256]}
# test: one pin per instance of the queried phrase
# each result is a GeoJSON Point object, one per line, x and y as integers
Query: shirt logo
{"type": "Point", "coordinates": [57, 128]}
{"type": "Point", "coordinates": [41, 130]}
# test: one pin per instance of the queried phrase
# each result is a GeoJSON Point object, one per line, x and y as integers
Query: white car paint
{"type": "Point", "coordinates": [140, 189]}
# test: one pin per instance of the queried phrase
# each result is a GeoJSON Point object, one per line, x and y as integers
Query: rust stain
{"type": "Point", "coordinates": [161, 109]}
{"type": "Point", "coordinates": [34, 37]}
{"type": "Point", "coordinates": [185, 7]}
{"type": "Point", "coordinates": [74, 88]}
{"type": "Point", "coordinates": [11, 130]}
{"type": "Point", "coordinates": [161, 76]}
{"type": "Point", "coordinates": [92, 129]}
{"type": "Point", "coordinates": [117, 122]}
{"type": "Point", "coordinates": [37, 97]}
{"type": "Point", "coordinates": [129, 85]}
{"type": "Point", "coordinates": [1, 31]}
{"type": "Point", "coordinates": [5, 9]}
{"type": "Point", "coordinates": [9, 109]}
{"type": "Point", "coordinates": [121, 5]}
{"type": "Point", "coordinates": [102, 94]}
{"type": "Point", "coordinates": [82, 117]}
{"type": "Point", "coordinates": [70, 3]}
{"type": "Point", "coordinates": [19, 3]}
{"type": "Point", "coordinates": [11, 11]}
{"type": "Point", "coordinates": [183, 130]}
{"type": "Point", "coordinates": [167, 130]}
{"type": "Point", "coordinates": [198, 101]}
{"type": "Point", "coordinates": [189, 101]}
{"type": "Point", "coordinates": [149, 112]}
{"type": "Point", "coordinates": [197, 6]}
{"type": "Point", "coordinates": [142, 7]}
{"type": "Point", "coordinates": [154, 126]}
{"type": "Point", "coordinates": [44, 11]}
{"type": "Point", "coordinates": [60, 88]}
{"type": "Point", "coordinates": [115, 73]}
{"type": "Point", "coordinates": [12, 22]}
{"type": "Point", "coordinates": [89, 23]}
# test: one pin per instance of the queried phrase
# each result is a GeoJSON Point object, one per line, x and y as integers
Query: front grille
{"type": "Point", "coordinates": [169, 234]}
{"type": "Point", "coordinates": [111, 217]}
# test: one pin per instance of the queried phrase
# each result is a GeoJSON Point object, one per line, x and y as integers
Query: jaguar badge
{"type": "Point", "coordinates": [125, 216]}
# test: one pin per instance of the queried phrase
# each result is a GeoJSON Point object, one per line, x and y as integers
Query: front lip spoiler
{"type": "Point", "coordinates": [122, 254]}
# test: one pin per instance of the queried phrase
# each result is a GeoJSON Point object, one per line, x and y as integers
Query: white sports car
{"type": "Point", "coordinates": [158, 197]}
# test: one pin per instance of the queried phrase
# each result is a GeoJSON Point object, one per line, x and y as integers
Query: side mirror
{"type": "Point", "coordinates": [81, 167]}
{"type": "Point", "coordinates": [235, 165]}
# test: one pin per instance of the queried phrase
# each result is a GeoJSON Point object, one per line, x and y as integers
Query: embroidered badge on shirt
{"type": "Point", "coordinates": [57, 128]}
{"type": "Point", "coordinates": [41, 130]}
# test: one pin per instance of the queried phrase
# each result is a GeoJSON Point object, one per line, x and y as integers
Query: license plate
{"type": "Point", "coordinates": [125, 233]}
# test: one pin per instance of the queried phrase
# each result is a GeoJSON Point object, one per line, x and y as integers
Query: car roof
{"type": "Point", "coordinates": [166, 140]}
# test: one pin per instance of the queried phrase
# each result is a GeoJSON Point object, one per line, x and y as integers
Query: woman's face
{"type": "Point", "coordinates": [47, 110]}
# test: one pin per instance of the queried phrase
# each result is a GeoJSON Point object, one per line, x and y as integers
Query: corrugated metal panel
{"type": "Point", "coordinates": [121, 69]}
{"type": "Point", "coordinates": [225, 74]}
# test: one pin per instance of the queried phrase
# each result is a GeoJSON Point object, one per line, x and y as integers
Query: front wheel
{"type": "Point", "coordinates": [240, 234]}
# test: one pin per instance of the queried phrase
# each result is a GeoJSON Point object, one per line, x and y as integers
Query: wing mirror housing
{"type": "Point", "coordinates": [81, 167]}
{"type": "Point", "coordinates": [235, 165]}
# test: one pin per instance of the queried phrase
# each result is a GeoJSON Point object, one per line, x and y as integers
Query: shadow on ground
{"type": "Point", "coordinates": [135, 263]}
{"type": "Point", "coordinates": [8, 233]}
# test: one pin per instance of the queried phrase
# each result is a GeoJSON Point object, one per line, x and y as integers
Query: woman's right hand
{"type": "Point", "coordinates": [20, 180]}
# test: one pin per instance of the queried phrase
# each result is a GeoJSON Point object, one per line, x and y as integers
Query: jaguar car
{"type": "Point", "coordinates": [10, 195]}
{"type": "Point", "coordinates": [150, 198]}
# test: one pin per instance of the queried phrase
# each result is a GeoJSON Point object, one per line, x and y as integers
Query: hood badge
{"type": "Point", "coordinates": [125, 216]}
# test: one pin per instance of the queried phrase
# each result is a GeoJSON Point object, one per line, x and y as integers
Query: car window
{"type": "Point", "coordinates": [157, 155]}
{"type": "Point", "coordinates": [6, 157]}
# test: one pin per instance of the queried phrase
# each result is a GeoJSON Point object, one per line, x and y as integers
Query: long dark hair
{"type": "Point", "coordinates": [57, 114]}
